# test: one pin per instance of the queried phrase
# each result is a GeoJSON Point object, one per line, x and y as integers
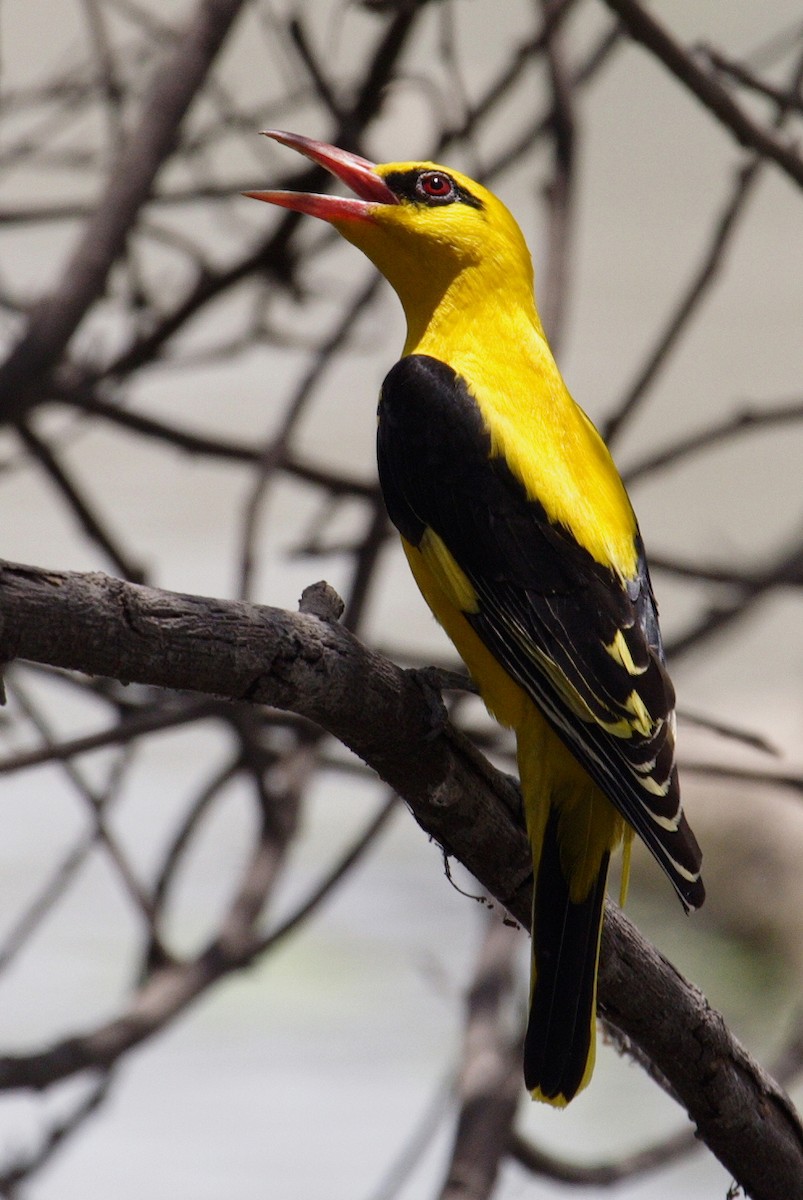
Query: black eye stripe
{"type": "Point", "coordinates": [406, 185]}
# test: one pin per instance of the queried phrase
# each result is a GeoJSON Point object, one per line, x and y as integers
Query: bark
{"type": "Point", "coordinates": [390, 718]}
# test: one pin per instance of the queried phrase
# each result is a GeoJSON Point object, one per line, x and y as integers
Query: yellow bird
{"type": "Point", "coordinates": [522, 539]}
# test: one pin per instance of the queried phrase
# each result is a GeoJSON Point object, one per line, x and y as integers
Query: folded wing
{"type": "Point", "coordinates": [581, 641]}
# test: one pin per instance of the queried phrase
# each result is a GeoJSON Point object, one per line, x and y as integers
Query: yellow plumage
{"type": "Point", "coordinates": [523, 542]}
{"type": "Point", "coordinates": [476, 311]}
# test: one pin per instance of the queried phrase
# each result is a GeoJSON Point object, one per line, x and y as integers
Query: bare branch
{"type": "Point", "coordinates": [342, 868]}
{"type": "Point", "coordinates": [743, 75]}
{"type": "Point", "coordinates": [490, 1073]}
{"type": "Point", "coordinates": [641, 1162]}
{"type": "Point", "coordinates": [745, 775]}
{"type": "Point", "coordinates": [705, 275]}
{"type": "Point", "coordinates": [88, 519]}
{"type": "Point", "coordinates": [644, 28]}
{"type": "Point", "coordinates": [688, 304]}
{"type": "Point", "coordinates": [167, 714]}
{"type": "Point", "coordinates": [603, 1174]}
{"type": "Point", "coordinates": [56, 317]}
{"type": "Point", "coordinates": [317, 669]}
{"type": "Point", "coordinates": [155, 254]}
{"type": "Point", "coordinates": [97, 803]}
{"type": "Point", "coordinates": [190, 442]}
{"type": "Point", "coordinates": [55, 1137]}
{"type": "Point", "coordinates": [786, 569]}
{"type": "Point", "coordinates": [560, 190]}
{"type": "Point", "coordinates": [735, 426]}
{"type": "Point", "coordinates": [274, 453]}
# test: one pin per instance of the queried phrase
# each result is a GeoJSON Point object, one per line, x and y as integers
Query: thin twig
{"type": "Point", "coordinates": [55, 318]}
{"type": "Point", "coordinates": [787, 567]}
{"type": "Point", "coordinates": [603, 1174]}
{"type": "Point", "coordinates": [274, 454]}
{"type": "Point", "coordinates": [735, 426]}
{"type": "Point", "coordinates": [333, 877]}
{"type": "Point", "coordinates": [169, 713]}
{"type": "Point", "coordinates": [560, 190]}
{"type": "Point", "coordinates": [56, 1136]}
{"type": "Point", "coordinates": [702, 279]}
{"type": "Point", "coordinates": [689, 302]}
{"type": "Point", "coordinates": [97, 805]}
{"type": "Point", "coordinates": [89, 520]}
{"type": "Point", "coordinates": [645, 28]}
{"type": "Point", "coordinates": [747, 78]}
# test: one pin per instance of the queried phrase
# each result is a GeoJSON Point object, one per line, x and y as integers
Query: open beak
{"type": "Point", "coordinates": [357, 173]}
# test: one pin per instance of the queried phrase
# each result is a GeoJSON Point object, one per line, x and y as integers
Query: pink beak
{"type": "Point", "coordinates": [357, 173]}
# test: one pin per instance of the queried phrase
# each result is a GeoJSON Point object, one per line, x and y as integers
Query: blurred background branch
{"type": "Point", "coordinates": [187, 387]}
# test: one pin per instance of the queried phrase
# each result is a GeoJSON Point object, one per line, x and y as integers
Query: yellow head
{"type": "Point", "coordinates": [437, 236]}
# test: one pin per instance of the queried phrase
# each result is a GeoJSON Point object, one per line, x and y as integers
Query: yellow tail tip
{"type": "Point", "coordinates": [559, 1101]}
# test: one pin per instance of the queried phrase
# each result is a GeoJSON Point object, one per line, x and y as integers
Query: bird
{"type": "Point", "coordinates": [522, 539]}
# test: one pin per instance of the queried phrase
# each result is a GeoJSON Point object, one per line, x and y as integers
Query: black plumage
{"type": "Point", "coordinates": [546, 609]}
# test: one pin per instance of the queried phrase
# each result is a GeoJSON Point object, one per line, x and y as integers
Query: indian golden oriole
{"type": "Point", "coordinates": [522, 539]}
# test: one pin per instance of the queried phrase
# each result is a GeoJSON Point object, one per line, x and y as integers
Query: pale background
{"type": "Point", "coordinates": [310, 1074]}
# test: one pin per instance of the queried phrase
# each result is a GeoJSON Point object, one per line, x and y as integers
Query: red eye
{"type": "Point", "coordinates": [436, 185]}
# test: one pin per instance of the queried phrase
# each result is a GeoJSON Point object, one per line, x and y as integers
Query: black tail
{"type": "Point", "coordinates": [561, 1033]}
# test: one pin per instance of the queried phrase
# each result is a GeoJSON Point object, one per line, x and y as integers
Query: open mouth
{"type": "Point", "coordinates": [357, 173]}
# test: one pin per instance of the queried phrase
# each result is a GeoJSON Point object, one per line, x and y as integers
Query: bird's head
{"type": "Point", "coordinates": [423, 225]}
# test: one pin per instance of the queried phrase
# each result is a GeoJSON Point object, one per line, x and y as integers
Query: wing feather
{"type": "Point", "coordinates": [583, 642]}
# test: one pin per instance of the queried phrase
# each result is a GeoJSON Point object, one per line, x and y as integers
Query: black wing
{"type": "Point", "coordinates": [584, 644]}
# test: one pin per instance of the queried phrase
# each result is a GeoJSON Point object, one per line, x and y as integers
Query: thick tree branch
{"type": "Point", "coordinates": [99, 625]}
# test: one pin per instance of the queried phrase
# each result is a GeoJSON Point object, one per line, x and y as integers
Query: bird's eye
{"type": "Point", "coordinates": [434, 185]}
